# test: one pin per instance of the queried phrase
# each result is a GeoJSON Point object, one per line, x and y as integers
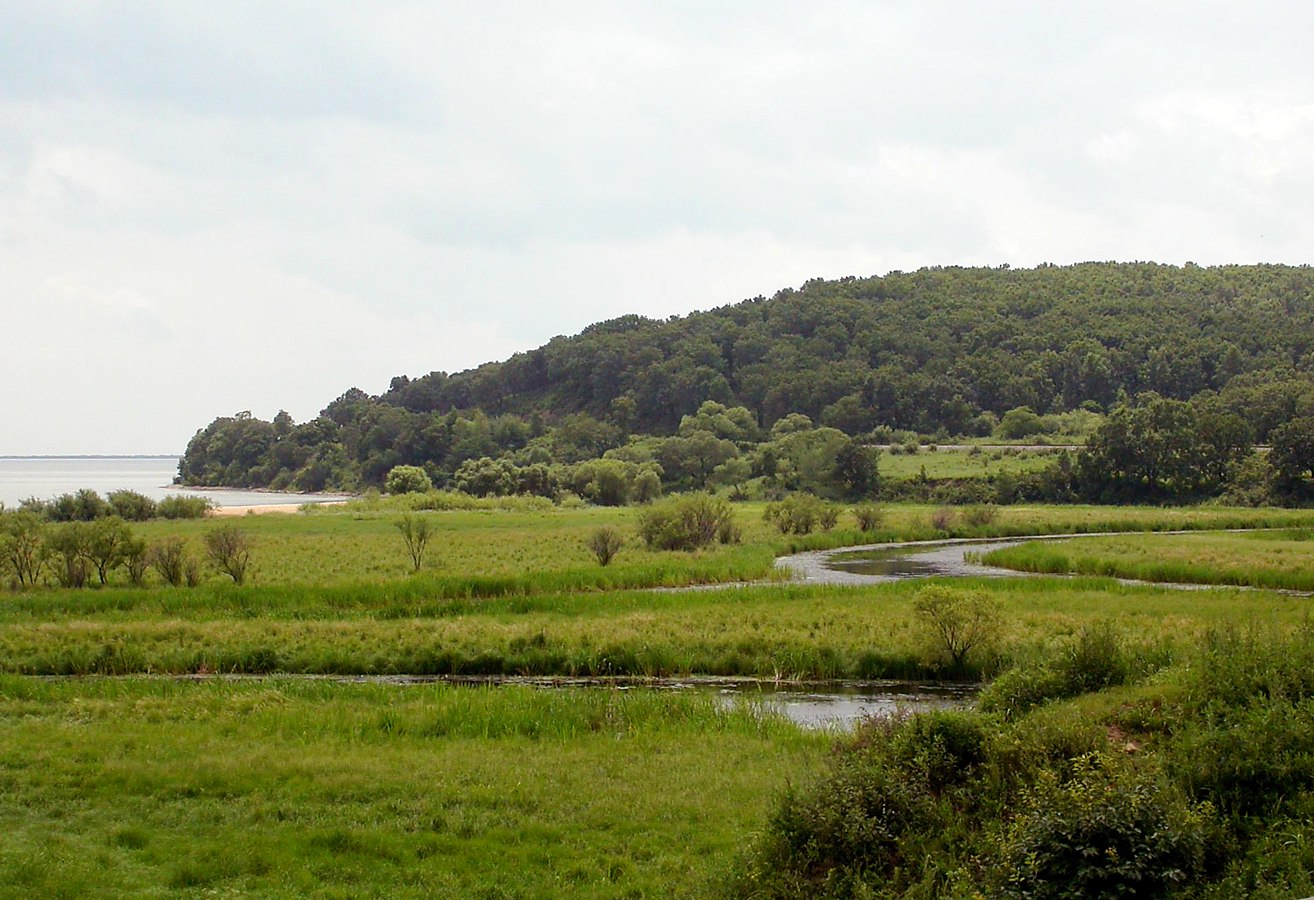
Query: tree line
{"type": "Point", "coordinates": [705, 400]}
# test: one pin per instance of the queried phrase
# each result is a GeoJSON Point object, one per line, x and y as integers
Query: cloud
{"type": "Point", "coordinates": [213, 208]}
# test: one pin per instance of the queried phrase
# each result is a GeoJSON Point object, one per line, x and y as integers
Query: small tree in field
{"type": "Point", "coordinates": [416, 532]}
{"type": "Point", "coordinates": [229, 549]}
{"type": "Point", "coordinates": [957, 620]}
{"type": "Point", "coordinates": [23, 545]}
{"type": "Point", "coordinates": [171, 561]}
{"type": "Point", "coordinates": [107, 542]}
{"type": "Point", "coordinates": [605, 543]}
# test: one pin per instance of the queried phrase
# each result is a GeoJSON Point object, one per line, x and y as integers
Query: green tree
{"type": "Point", "coordinates": [107, 545]}
{"type": "Point", "coordinates": [229, 549]}
{"type": "Point", "coordinates": [1292, 459]}
{"type": "Point", "coordinates": [22, 542]}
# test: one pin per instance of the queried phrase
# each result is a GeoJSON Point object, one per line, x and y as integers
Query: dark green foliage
{"type": "Point", "coordinates": [1292, 459]}
{"type": "Point", "coordinates": [1107, 831]}
{"type": "Point", "coordinates": [1093, 660]}
{"type": "Point", "coordinates": [689, 522]}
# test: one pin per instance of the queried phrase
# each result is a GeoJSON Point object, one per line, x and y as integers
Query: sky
{"type": "Point", "coordinates": [207, 208]}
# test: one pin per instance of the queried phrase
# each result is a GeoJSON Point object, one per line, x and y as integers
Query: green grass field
{"type": "Point", "coordinates": [295, 789]}
{"type": "Point", "coordinates": [144, 785]}
{"type": "Point", "coordinates": [979, 463]}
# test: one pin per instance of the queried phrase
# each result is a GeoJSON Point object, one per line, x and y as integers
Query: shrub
{"type": "Point", "coordinates": [416, 532]}
{"type": "Point", "coordinates": [171, 561]}
{"type": "Point", "coordinates": [869, 516]}
{"type": "Point", "coordinates": [943, 519]}
{"type": "Point", "coordinates": [957, 621]}
{"type": "Point", "coordinates": [136, 559]}
{"type": "Point", "coordinates": [981, 516]}
{"type": "Point", "coordinates": [828, 516]}
{"type": "Point", "coordinates": [184, 507]}
{"type": "Point", "coordinates": [23, 545]}
{"type": "Point", "coordinates": [605, 543]}
{"type": "Point", "coordinates": [407, 480]}
{"type": "Point", "coordinates": [1106, 832]}
{"type": "Point", "coordinates": [108, 538]}
{"type": "Point", "coordinates": [229, 549]}
{"type": "Point", "coordinates": [690, 522]}
{"type": "Point", "coordinates": [798, 513]}
{"type": "Point", "coordinates": [68, 544]}
{"type": "Point", "coordinates": [131, 506]}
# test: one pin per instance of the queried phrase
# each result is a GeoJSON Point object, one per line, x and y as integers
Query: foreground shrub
{"type": "Point", "coordinates": [690, 522]}
{"type": "Point", "coordinates": [23, 545]}
{"type": "Point", "coordinates": [67, 544]}
{"type": "Point", "coordinates": [1106, 832]}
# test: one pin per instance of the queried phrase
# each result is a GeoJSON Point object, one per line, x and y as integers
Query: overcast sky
{"type": "Point", "coordinates": [214, 207]}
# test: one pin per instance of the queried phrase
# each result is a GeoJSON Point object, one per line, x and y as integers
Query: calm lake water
{"type": "Point", "coordinates": [50, 476]}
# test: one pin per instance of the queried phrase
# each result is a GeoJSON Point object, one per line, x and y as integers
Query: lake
{"type": "Point", "coordinates": [49, 476]}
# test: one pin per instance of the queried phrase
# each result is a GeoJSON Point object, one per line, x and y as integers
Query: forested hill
{"type": "Point", "coordinates": [936, 351]}
{"type": "Point", "coordinates": [925, 351]}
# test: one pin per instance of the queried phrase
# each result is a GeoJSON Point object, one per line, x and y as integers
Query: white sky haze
{"type": "Point", "coordinates": [207, 208]}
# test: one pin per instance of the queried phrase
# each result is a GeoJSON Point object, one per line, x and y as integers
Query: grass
{"type": "Point", "coordinates": [157, 787]}
{"type": "Point", "coordinates": [941, 464]}
{"type": "Point", "coordinates": [1282, 559]}
{"type": "Point", "coordinates": [788, 631]}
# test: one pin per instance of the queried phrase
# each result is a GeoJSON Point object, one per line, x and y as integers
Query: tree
{"type": "Point", "coordinates": [69, 545]}
{"type": "Point", "coordinates": [22, 542]}
{"type": "Point", "coordinates": [958, 620]}
{"type": "Point", "coordinates": [416, 532]}
{"type": "Point", "coordinates": [172, 561]}
{"type": "Point", "coordinates": [1292, 459]}
{"type": "Point", "coordinates": [107, 545]}
{"type": "Point", "coordinates": [407, 480]}
{"type": "Point", "coordinates": [229, 549]}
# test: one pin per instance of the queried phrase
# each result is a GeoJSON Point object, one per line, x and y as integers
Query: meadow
{"type": "Point", "coordinates": [149, 780]}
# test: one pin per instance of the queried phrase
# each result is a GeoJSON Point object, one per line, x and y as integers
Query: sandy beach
{"type": "Point", "coordinates": [225, 511]}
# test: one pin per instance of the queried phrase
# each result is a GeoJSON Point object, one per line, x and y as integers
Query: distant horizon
{"type": "Point", "coordinates": [91, 456]}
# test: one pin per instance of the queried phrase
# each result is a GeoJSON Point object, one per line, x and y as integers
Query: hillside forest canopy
{"type": "Point", "coordinates": [1173, 374]}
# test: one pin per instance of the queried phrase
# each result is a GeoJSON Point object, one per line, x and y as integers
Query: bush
{"type": "Point", "coordinates": [981, 516]}
{"type": "Point", "coordinates": [184, 507]}
{"type": "Point", "coordinates": [943, 519]}
{"type": "Point", "coordinates": [173, 563]}
{"type": "Point", "coordinates": [798, 513]}
{"type": "Point", "coordinates": [407, 480]}
{"type": "Point", "coordinates": [1104, 833]}
{"type": "Point", "coordinates": [828, 516]}
{"type": "Point", "coordinates": [229, 549]}
{"type": "Point", "coordinates": [605, 543]}
{"type": "Point", "coordinates": [23, 545]}
{"type": "Point", "coordinates": [131, 506]}
{"type": "Point", "coordinates": [690, 522]}
{"type": "Point", "coordinates": [869, 516]}
{"type": "Point", "coordinates": [416, 532]}
{"type": "Point", "coordinates": [68, 544]}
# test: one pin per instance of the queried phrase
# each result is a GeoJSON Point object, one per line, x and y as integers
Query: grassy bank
{"type": "Point", "coordinates": [1282, 559]}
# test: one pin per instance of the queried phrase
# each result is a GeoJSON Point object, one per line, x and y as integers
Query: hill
{"type": "Point", "coordinates": [943, 351]}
